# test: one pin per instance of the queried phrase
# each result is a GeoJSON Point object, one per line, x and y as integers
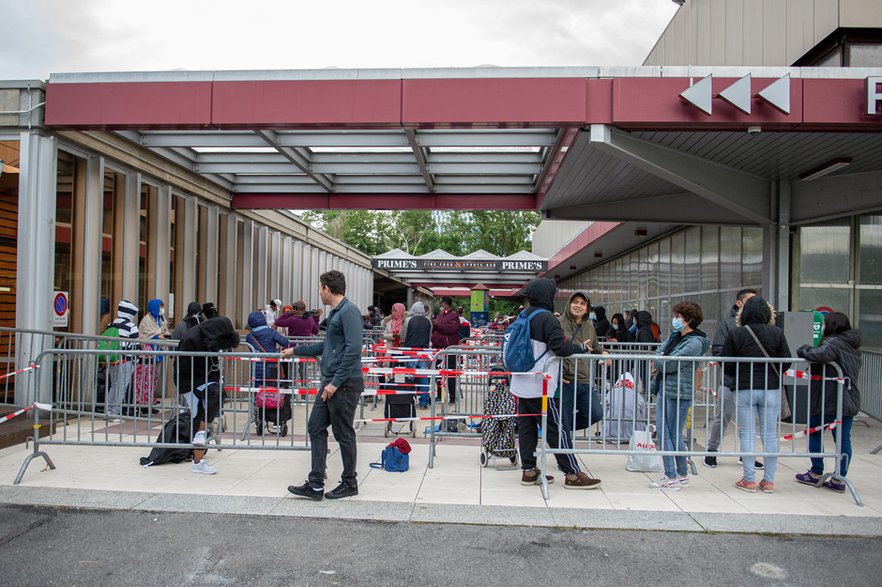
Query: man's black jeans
{"type": "Point", "coordinates": [338, 412]}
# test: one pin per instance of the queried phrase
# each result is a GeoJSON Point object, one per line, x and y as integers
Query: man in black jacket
{"type": "Point", "coordinates": [199, 378]}
{"type": "Point", "coordinates": [644, 327]}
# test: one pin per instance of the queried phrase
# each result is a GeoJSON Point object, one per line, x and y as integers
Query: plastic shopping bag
{"type": "Point", "coordinates": [646, 459]}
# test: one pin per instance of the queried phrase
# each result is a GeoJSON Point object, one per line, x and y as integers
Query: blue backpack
{"type": "Point", "coordinates": [517, 348]}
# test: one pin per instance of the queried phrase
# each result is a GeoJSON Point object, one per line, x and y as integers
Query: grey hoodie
{"type": "Point", "coordinates": [416, 332]}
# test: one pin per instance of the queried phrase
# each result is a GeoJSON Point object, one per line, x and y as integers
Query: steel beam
{"type": "Point", "coordinates": [295, 157]}
{"type": "Point", "coordinates": [199, 139]}
{"type": "Point", "coordinates": [835, 196]}
{"type": "Point", "coordinates": [683, 208]}
{"type": "Point", "coordinates": [742, 193]}
{"type": "Point", "coordinates": [92, 245]}
{"type": "Point", "coordinates": [485, 138]}
{"type": "Point", "coordinates": [131, 236]}
{"type": "Point", "coordinates": [342, 139]}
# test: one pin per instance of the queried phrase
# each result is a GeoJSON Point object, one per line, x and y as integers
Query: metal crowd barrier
{"type": "Point", "coordinates": [870, 384]}
{"type": "Point", "coordinates": [76, 416]}
{"type": "Point", "coordinates": [789, 438]}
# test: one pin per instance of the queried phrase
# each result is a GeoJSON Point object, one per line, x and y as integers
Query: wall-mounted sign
{"type": "Point", "coordinates": [60, 309]}
{"type": "Point", "coordinates": [739, 94]}
{"type": "Point", "coordinates": [458, 265]}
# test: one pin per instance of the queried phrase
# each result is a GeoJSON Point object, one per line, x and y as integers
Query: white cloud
{"type": "Point", "coordinates": [48, 36]}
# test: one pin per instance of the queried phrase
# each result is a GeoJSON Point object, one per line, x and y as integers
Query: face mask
{"type": "Point", "coordinates": [162, 311]}
{"type": "Point", "coordinates": [592, 316]}
{"type": "Point", "coordinates": [615, 326]}
{"type": "Point", "coordinates": [677, 324]}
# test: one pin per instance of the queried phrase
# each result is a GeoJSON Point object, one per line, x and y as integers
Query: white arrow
{"type": "Point", "coordinates": [777, 94]}
{"type": "Point", "coordinates": [738, 94]}
{"type": "Point", "coordinates": [699, 94]}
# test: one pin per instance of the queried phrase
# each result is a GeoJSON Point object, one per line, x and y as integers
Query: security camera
{"type": "Point", "coordinates": [754, 130]}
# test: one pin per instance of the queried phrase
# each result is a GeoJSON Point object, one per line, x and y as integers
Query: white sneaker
{"type": "Point", "coordinates": [200, 439]}
{"type": "Point", "coordinates": [684, 481]}
{"type": "Point", "coordinates": [202, 468]}
{"type": "Point", "coordinates": [666, 483]}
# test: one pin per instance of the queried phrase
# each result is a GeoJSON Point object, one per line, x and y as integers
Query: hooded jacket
{"type": "Point", "coordinates": [720, 336]}
{"type": "Point", "coordinates": [302, 324]}
{"type": "Point", "coordinates": [844, 350]}
{"type": "Point", "coordinates": [153, 324]}
{"type": "Point", "coordinates": [757, 315]}
{"type": "Point", "coordinates": [194, 317]}
{"type": "Point", "coordinates": [446, 331]}
{"type": "Point", "coordinates": [644, 327]}
{"type": "Point", "coordinates": [264, 340]}
{"type": "Point", "coordinates": [678, 377]}
{"type": "Point", "coordinates": [601, 326]}
{"type": "Point", "coordinates": [212, 336]}
{"type": "Point", "coordinates": [546, 334]}
{"type": "Point", "coordinates": [417, 329]}
{"type": "Point", "coordinates": [583, 332]}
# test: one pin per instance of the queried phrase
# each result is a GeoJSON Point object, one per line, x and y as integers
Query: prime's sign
{"type": "Point", "coordinates": [460, 265]}
{"type": "Point", "coordinates": [874, 96]}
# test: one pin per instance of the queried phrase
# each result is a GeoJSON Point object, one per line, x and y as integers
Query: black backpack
{"type": "Point", "coordinates": [176, 430]}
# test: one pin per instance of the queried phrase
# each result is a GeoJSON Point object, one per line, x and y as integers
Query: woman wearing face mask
{"type": "Point", "coordinates": [673, 386]}
{"type": "Point", "coordinates": [393, 323]}
{"type": "Point", "coordinates": [618, 330]}
{"type": "Point", "coordinates": [155, 326]}
{"type": "Point", "coordinates": [500, 323]}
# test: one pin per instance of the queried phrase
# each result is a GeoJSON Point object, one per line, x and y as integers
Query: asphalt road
{"type": "Point", "coordinates": [42, 546]}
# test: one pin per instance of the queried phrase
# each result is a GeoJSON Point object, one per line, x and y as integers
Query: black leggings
{"type": "Point", "coordinates": [210, 395]}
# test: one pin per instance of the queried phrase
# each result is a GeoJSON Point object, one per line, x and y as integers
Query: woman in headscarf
{"type": "Point", "coordinates": [393, 324]}
{"type": "Point", "coordinates": [154, 326]}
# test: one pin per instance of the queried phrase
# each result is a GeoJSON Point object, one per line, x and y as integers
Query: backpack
{"type": "Point", "coordinates": [109, 345]}
{"type": "Point", "coordinates": [176, 430]}
{"type": "Point", "coordinates": [517, 347]}
{"type": "Point", "coordinates": [656, 332]}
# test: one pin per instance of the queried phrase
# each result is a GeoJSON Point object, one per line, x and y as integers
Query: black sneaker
{"type": "Point", "coordinates": [756, 464]}
{"type": "Point", "coordinates": [306, 490]}
{"type": "Point", "coordinates": [342, 490]}
{"type": "Point", "coordinates": [710, 461]}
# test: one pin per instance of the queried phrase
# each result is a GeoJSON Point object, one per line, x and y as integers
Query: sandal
{"type": "Point", "coordinates": [837, 486]}
{"type": "Point", "coordinates": [808, 478]}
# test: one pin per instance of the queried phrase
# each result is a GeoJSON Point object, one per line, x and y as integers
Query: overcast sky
{"type": "Point", "coordinates": [40, 37]}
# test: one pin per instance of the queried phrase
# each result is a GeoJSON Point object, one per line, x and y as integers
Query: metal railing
{"type": "Point", "coordinates": [690, 398]}
{"type": "Point", "coordinates": [870, 384]}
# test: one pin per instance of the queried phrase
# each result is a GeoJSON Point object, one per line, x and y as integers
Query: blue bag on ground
{"type": "Point", "coordinates": [395, 458]}
{"type": "Point", "coordinates": [517, 347]}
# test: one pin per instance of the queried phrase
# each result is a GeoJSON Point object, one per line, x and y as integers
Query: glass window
{"type": "Point", "coordinates": [815, 297]}
{"type": "Point", "coordinates": [664, 267]}
{"type": "Point", "coordinates": [730, 257]}
{"type": "Point", "coordinates": [870, 250]}
{"type": "Point", "coordinates": [870, 303]}
{"type": "Point", "coordinates": [643, 273]}
{"type": "Point", "coordinates": [752, 257]}
{"type": "Point", "coordinates": [692, 281]}
{"type": "Point", "coordinates": [10, 155]}
{"type": "Point", "coordinates": [652, 270]}
{"type": "Point", "coordinates": [634, 264]}
{"type": "Point", "coordinates": [824, 253]}
{"type": "Point", "coordinates": [678, 261]}
{"type": "Point", "coordinates": [69, 179]}
{"type": "Point", "coordinates": [710, 258]}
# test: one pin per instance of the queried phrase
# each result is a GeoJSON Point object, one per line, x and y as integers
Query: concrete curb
{"type": "Point", "coordinates": [443, 513]}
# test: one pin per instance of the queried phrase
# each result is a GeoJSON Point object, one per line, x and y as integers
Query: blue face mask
{"type": "Point", "coordinates": [677, 324]}
{"type": "Point", "coordinates": [615, 326]}
{"type": "Point", "coordinates": [592, 316]}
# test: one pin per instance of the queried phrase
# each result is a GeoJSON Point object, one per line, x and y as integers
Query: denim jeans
{"type": "Point", "coordinates": [423, 384]}
{"type": "Point", "coordinates": [670, 418]}
{"type": "Point", "coordinates": [766, 403]}
{"type": "Point", "coordinates": [816, 440]}
{"type": "Point", "coordinates": [588, 409]}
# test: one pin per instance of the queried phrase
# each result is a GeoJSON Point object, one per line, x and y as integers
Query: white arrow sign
{"type": "Point", "coordinates": [777, 94]}
{"type": "Point", "coordinates": [738, 94]}
{"type": "Point", "coordinates": [699, 94]}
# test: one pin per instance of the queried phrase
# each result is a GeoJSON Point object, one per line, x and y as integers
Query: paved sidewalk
{"type": "Point", "coordinates": [457, 489]}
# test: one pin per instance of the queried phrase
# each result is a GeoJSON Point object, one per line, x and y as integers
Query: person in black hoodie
{"type": "Point", "coordinates": [198, 378]}
{"type": "Point", "coordinates": [757, 386]}
{"type": "Point", "coordinates": [547, 337]}
{"type": "Point", "coordinates": [601, 325]}
{"type": "Point", "coordinates": [842, 345]}
{"type": "Point", "coordinates": [644, 327]}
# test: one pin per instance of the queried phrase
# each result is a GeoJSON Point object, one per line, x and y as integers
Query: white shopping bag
{"type": "Point", "coordinates": [646, 460]}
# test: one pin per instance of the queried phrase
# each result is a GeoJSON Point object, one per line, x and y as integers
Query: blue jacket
{"type": "Point", "coordinates": [340, 352]}
{"type": "Point", "coordinates": [679, 376]}
{"type": "Point", "coordinates": [264, 340]}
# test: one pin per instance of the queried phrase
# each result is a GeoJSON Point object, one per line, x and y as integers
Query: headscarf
{"type": "Point", "coordinates": [398, 310]}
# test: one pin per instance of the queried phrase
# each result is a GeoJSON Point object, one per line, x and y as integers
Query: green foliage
{"type": "Point", "coordinates": [500, 232]}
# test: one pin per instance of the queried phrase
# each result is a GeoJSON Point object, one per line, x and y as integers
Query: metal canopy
{"type": "Point", "coordinates": [408, 161]}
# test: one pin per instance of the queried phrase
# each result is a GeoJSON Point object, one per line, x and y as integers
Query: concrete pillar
{"type": "Point", "coordinates": [232, 264]}
{"type": "Point", "coordinates": [247, 273]}
{"type": "Point", "coordinates": [186, 252]}
{"type": "Point", "coordinates": [274, 258]}
{"type": "Point", "coordinates": [91, 251]}
{"type": "Point", "coordinates": [212, 247]}
{"type": "Point", "coordinates": [131, 237]}
{"type": "Point", "coordinates": [285, 271]}
{"type": "Point", "coordinates": [776, 250]}
{"type": "Point", "coordinates": [36, 251]}
{"type": "Point", "coordinates": [159, 243]}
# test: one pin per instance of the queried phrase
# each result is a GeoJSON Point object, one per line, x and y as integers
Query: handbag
{"type": "Point", "coordinates": [785, 403]}
{"type": "Point", "coordinates": [395, 458]}
{"type": "Point", "coordinates": [645, 460]}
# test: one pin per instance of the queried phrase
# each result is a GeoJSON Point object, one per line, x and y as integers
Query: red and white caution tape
{"type": "Point", "coordinates": [797, 374]}
{"type": "Point", "coordinates": [437, 418]}
{"type": "Point", "coordinates": [14, 373]}
{"type": "Point", "coordinates": [273, 360]}
{"type": "Point", "coordinates": [25, 409]}
{"type": "Point", "coordinates": [807, 431]}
